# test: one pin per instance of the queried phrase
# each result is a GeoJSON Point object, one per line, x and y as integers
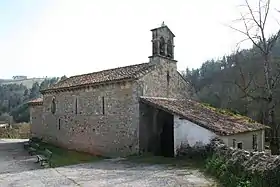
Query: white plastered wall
{"type": "Point", "coordinates": [191, 134]}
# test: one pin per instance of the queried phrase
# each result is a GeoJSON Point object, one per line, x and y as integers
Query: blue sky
{"type": "Point", "coordinates": [17, 15]}
{"type": "Point", "coordinates": [67, 37]}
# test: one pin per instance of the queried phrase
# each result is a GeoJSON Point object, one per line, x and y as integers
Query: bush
{"type": "Point", "coordinates": [20, 131]}
{"type": "Point", "coordinates": [218, 167]}
{"type": "Point", "coordinates": [240, 168]}
{"type": "Point", "coordinates": [198, 151]}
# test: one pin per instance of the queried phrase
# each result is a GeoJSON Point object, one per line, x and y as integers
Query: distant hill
{"type": "Point", "coordinates": [25, 82]}
{"type": "Point", "coordinates": [16, 92]}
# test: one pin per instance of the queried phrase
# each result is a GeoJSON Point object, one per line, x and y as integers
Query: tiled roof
{"type": "Point", "coordinates": [215, 120]}
{"type": "Point", "coordinates": [37, 101]}
{"type": "Point", "coordinates": [116, 74]}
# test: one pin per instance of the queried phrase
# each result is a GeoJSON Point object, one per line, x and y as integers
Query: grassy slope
{"type": "Point", "coordinates": [63, 157]}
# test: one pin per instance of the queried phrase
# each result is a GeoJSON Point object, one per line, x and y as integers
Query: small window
{"type": "Point", "coordinates": [162, 46]}
{"type": "Point", "coordinates": [59, 122]}
{"type": "Point", "coordinates": [255, 143]}
{"type": "Point", "coordinates": [76, 106]}
{"type": "Point", "coordinates": [53, 106]}
{"type": "Point", "coordinates": [167, 77]}
{"type": "Point", "coordinates": [234, 143]}
{"type": "Point", "coordinates": [239, 145]}
{"type": "Point", "coordinates": [169, 49]}
{"type": "Point", "coordinates": [103, 105]}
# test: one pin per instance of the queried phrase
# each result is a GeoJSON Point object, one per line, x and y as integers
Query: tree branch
{"type": "Point", "coordinates": [252, 13]}
{"type": "Point", "coordinates": [267, 7]}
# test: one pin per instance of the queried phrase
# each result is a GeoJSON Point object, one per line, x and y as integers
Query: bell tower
{"type": "Point", "coordinates": [162, 42]}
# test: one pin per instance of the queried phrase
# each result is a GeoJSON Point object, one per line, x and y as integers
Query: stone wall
{"type": "Point", "coordinates": [259, 169]}
{"type": "Point", "coordinates": [157, 83]}
{"type": "Point", "coordinates": [36, 120]}
{"type": "Point", "coordinates": [250, 160]}
{"type": "Point", "coordinates": [79, 123]}
{"type": "Point", "coordinates": [87, 129]}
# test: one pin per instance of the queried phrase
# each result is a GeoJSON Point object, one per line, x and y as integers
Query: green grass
{"type": "Point", "coordinates": [64, 157]}
{"type": "Point", "coordinates": [228, 112]}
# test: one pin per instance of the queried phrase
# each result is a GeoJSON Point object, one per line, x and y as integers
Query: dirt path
{"type": "Point", "coordinates": [13, 158]}
{"type": "Point", "coordinates": [18, 170]}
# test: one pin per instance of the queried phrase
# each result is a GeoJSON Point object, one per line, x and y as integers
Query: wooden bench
{"type": "Point", "coordinates": [26, 145]}
{"type": "Point", "coordinates": [44, 158]}
{"type": "Point", "coordinates": [33, 148]}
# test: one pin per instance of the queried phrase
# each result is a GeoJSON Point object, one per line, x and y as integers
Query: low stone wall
{"type": "Point", "coordinates": [258, 169]}
{"type": "Point", "coordinates": [251, 161]}
{"type": "Point", "coordinates": [236, 167]}
{"type": "Point", "coordinates": [198, 151]}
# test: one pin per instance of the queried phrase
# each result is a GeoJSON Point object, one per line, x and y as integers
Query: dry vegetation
{"type": "Point", "coordinates": [20, 130]}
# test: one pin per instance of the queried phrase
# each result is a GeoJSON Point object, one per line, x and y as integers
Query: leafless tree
{"type": "Point", "coordinates": [254, 22]}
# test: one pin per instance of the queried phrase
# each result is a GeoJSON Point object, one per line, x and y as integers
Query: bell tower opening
{"type": "Point", "coordinates": [163, 42]}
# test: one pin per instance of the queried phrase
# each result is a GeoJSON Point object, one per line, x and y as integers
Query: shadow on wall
{"type": "Point", "coordinates": [199, 150]}
{"type": "Point", "coordinates": [156, 131]}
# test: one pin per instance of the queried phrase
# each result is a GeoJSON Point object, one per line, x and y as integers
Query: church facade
{"type": "Point", "coordinates": [138, 108]}
{"type": "Point", "coordinates": [99, 112]}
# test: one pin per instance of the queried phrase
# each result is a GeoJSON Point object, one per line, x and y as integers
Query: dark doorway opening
{"type": "Point", "coordinates": [156, 131]}
{"type": "Point", "coordinates": [239, 145]}
{"type": "Point", "coordinates": [165, 122]}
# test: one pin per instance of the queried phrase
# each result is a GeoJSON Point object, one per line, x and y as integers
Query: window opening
{"type": "Point", "coordinates": [255, 145]}
{"type": "Point", "coordinates": [53, 106]}
{"type": "Point", "coordinates": [239, 145]}
{"type": "Point", "coordinates": [234, 143]}
{"type": "Point", "coordinates": [103, 105]}
{"type": "Point", "coordinates": [76, 106]}
{"type": "Point", "coordinates": [168, 77]}
{"type": "Point", "coordinates": [59, 121]}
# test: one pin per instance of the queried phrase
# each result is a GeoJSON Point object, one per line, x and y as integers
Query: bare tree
{"type": "Point", "coordinates": [254, 22]}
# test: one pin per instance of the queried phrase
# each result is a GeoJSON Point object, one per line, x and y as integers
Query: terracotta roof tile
{"type": "Point", "coordinates": [37, 101]}
{"type": "Point", "coordinates": [215, 120]}
{"type": "Point", "coordinates": [121, 73]}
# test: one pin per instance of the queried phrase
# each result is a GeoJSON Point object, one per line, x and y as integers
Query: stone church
{"type": "Point", "coordinates": [126, 110]}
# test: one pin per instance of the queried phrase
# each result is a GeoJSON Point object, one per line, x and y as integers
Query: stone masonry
{"type": "Point", "coordinates": [36, 109]}
{"type": "Point", "coordinates": [88, 129]}
{"type": "Point", "coordinates": [99, 112]}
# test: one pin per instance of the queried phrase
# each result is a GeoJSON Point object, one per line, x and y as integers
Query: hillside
{"type": "Point", "coordinates": [218, 82]}
{"type": "Point", "coordinates": [26, 82]}
{"type": "Point", "coordinates": [14, 95]}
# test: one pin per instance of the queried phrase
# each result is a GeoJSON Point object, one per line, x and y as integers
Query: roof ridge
{"type": "Point", "coordinates": [164, 98]}
{"type": "Point", "coordinates": [151, 97]}
{"type": "Point", "coordinates": [222, 124]}
{"type": "Point", "coordinates": [36, 100]}
{"type": "Point", "coordinates": [107, 70]}
{"type": "Point", "coordinates": [133, 71]}
{"type": "Point", "coordinates": [143, 71]}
